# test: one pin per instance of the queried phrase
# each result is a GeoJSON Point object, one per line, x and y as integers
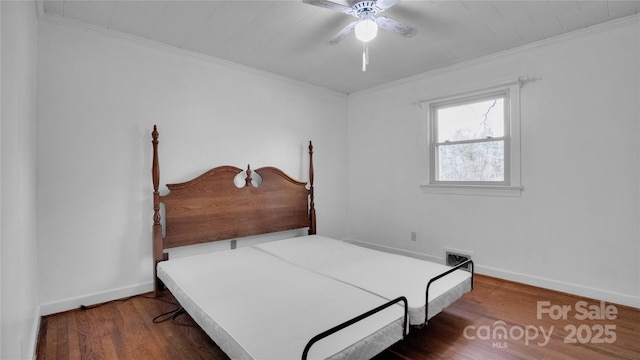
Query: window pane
{"type": "Point", "coordinates": [476, 120]}
{"type": "Point", "coordinates": [483, 161]}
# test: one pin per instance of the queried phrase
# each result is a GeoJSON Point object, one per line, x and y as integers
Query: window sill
{"type": "Point", "coordinates": [479, 190]}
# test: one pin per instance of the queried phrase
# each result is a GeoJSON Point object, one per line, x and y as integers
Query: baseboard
{"type": "Point", "coordinates": [95, 298]}
{"type": "Point", "coordinates": [574, 289]}
{"type": "Point", "coordinates": [397, 251]}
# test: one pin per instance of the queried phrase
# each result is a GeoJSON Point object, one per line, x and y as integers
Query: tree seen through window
{"type": "Point", "coordinates": [470, 141]}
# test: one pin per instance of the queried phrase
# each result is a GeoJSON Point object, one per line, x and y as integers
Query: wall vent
{"type": "Point", "coordinates": [454, 258]}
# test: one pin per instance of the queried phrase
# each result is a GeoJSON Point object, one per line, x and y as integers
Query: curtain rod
{"type": "Point", "coordinates": [520, 81]}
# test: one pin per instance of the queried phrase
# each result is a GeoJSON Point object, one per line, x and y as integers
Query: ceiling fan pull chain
{"type": "Point", "coordinates": [366, 51]}
{"type": "Point", "coordinates": [365, 56]}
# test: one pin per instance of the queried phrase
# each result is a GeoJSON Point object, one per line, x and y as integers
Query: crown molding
{"type": "Point", "coordinates": [581, 33]}
{"type": "Point", "coordinates": [82, 26]}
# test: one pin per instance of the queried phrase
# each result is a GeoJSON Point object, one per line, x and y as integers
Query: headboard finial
{"type": "Point", "coordinates": [248, 178]}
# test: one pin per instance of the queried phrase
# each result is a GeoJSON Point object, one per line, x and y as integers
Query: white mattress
{"type": "Point", "coordinates": [257, 306]}
{"type": "Point", "coordinates": [385, 274]}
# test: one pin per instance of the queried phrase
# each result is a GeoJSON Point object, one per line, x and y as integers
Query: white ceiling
{"type": "Point", "coordinates": [290, 38]}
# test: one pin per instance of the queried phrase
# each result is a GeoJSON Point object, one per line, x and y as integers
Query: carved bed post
{"type": "Point", "coordinates": [312, 209]}
{"type": "Point", "coordinates": [157, 227]}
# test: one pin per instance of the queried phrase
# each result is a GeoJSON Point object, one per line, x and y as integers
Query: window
{"type": "Point", "coordinates": [473, 143]}
{"type": "Point", "coordinates": [469, 142]}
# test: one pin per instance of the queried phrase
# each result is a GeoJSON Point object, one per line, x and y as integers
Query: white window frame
{"type": "Point", "coordinates": [511, 184]}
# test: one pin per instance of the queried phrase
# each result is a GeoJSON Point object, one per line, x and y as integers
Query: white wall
{"type": "Point", "coordinates": [100, 95]}
{"type": "Point", "coordinates": [19, 300]}
{"type": "Point", "coordinates": [575, 227]}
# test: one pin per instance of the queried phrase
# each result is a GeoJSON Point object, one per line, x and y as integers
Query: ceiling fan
{"type": "Point", "coordinates": [366, 27]}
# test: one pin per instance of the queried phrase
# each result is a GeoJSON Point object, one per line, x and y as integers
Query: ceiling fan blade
{"type": "Point", "coordinates": [395, 26]}
{"type": "Point", "coordinates": [330, 5]}
{"type": "Point", "coordinates": [385, 4]}
{"type": "Point", "coordinates": [344, 32]}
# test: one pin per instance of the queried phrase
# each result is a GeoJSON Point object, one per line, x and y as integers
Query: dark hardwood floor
{"type": "Point", "coordinates": [469, 329]}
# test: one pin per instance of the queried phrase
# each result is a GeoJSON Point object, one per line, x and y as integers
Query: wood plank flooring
{"type": "Point", "coordinates": [469, 329]}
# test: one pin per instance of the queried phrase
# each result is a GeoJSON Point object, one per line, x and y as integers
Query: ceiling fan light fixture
{"type": "Point", "coordinates": [366, 30]}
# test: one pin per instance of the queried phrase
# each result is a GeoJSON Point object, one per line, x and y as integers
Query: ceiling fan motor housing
{"type": "Point", "coordinates": [365, 9]}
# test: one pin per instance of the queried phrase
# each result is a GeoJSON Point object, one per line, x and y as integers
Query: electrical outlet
{"type": "Point", "coordinates": [413, 236]}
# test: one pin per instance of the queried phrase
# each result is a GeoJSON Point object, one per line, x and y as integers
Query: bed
{"type": "Point", "coordinates": [275, 299]}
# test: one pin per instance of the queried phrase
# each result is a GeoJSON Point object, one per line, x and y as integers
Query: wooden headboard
{"type": "Point", "coordinates": [213, 207]}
